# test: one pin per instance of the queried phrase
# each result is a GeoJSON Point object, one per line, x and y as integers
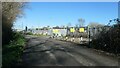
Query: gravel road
{"type": "Point", "coordinates": [45, 51]}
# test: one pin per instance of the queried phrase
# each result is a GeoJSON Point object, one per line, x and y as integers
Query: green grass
{"type": "Point", "coordinates": [13, 51]}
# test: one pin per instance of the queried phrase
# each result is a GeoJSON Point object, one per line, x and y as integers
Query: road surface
{"type": "Point", "coordinates": [45, 51]}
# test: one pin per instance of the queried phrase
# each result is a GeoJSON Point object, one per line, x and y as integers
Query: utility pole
{"type": "Point", "coordinates": [26, 28]}
{"type": "Point", "coordinates": [89, 38]}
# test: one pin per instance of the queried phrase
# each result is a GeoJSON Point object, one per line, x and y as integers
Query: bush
{"type": "Point", "coordinates": [108, 41]}
{"type": "Point", "coordinates": [29, 33]}
{"type": "Point", "coordinates": [12, 43]}
{"type": "Point", "coordinates": [10, 12]}
{"type": "Point", "coordinates": [13, 51]}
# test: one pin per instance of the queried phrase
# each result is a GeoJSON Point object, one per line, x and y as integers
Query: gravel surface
{"type": "Point", "coordinates": [45, 51]}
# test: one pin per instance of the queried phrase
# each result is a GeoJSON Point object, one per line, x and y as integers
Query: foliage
{"type": "Point", "coordinates": [10, 12]}
{"type": "Point", "coordinates": [81, 22]}
{"type": "Point", "coordinates": [12, 52]}
{"type": "Point", "coordinates": [108, 40]}
{"type": "Point", "coordinates": [12, 43]}
{"type": "Point", "coordinates": [95, 24]}
{"type": "Point", "coordinates": [29, 33]}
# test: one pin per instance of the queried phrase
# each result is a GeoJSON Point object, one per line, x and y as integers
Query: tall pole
{"type": "Point", "coordinates": [89, 38]}
{"type": "Point", "coordinates": [67, 31]}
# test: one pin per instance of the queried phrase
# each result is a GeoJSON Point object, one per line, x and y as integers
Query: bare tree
{"type": "Point", "coordinates": [94, 24]}
{"type": "Point", "coordinates": [95, 29]}
{"type": "Point", "coordinates": [81, 22]}
{"type": "Point", "coordinates": [10, 12]}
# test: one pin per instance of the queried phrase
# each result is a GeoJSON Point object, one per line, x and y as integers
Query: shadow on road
{"type": "Point", "coordinates": [34, 46]}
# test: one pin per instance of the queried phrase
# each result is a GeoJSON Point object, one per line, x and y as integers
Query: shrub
{"type": "Point", "coordinates": [108, 41]}
{"type": "Point", "coordinates": [10, 12]}
{"type": "Point", "coordinates": [12, 52]}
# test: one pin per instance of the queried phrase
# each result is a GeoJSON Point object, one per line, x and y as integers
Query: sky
{"type": "Point", "coordinates": [40, 14]}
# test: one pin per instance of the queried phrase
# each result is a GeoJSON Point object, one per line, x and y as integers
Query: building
{"type": "Point", "coordinates": [57, 31]}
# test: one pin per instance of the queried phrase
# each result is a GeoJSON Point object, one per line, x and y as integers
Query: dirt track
{"type": "Point", "coordinates": [44, 51]}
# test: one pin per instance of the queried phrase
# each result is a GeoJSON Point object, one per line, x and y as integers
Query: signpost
{"type": "Point", "coordinates": [72, 30]}
{"type": "Point", "coordinates": [81, 29]}
{"type": "Point", "coordinates": [55, 31]}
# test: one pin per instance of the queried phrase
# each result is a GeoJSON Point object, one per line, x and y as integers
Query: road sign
{"type": "Point", "coordinates": [81, 29]}
{"type": "Point", "coordinates": [55, 31]}
{"type": "Point", "coordinates": [72, 29]}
